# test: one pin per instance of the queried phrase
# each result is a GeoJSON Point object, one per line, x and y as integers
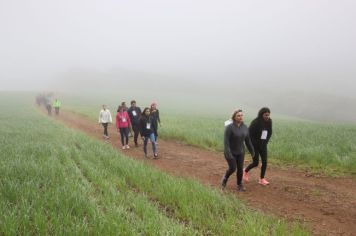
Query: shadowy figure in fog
{"type": "Point", "coordinates": [48, 104]}
{"type": "Point", "coordinates": [105, 119]}
{"type": "Point", "coordinates": [57, 104]}
{"type": "Point", "coordinates": [236, 134]}
{"type": "Point", "coordinates": [147, 127]}
{"type": "Point", "coordinates": [260, 133]}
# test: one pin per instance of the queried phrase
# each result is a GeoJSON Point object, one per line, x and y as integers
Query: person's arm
{"type": "Point", "coordinates": [100, 117]}
{"type": "Point", "coordinates": [129, 120]}
{"type": "Point", "coordinates": [158, 119]}
{"type": "Point", "coordinates": [227, 135]}
{"type": "Point", "coordinates": [141, 124]}
{"type": "Point", "coordinates": [269, 131]}
{"type": "Point", "coordinates": [249, 144]}
{"type": "Point", "coordinates": [110, 118]}
{"type": "Point", "coordinates": [253, 130]}
{"type": "Point", "coordinates": [117, 121]}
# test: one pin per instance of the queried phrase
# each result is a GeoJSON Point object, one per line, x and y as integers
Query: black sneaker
{"type": "Point", "coordinates": [241, 188]}
{"type": "Point", "coordinates": [223, 182]}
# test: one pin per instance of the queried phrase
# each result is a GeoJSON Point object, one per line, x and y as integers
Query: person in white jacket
{"type": "Point", "coordinates": [104, 119]}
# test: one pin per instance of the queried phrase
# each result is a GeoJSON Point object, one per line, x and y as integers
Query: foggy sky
{"type": "Point", "coordinates": [283, 43]}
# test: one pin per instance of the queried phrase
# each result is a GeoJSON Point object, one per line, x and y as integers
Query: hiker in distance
{"type": "Point", "coordinates": [260, 132]}
{"type": "Point", "coordinates": [104, 119]}
{"type": "Point", "coordinates": [135, 114]}
{"type": "Point", "coordinates": [57, 104]}
{"type": "Point", "coordinates": [147, 131]}
{"type": "Point", "coordinates": [123, 124]}
{"type": "Point", "coordinates": [236, 134]}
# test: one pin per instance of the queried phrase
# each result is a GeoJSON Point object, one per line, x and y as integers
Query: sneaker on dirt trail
{"type": "Point", "coordinates": [263, 182]}
{"type": "Point", "coordinates": [241, 188]}
{"type": "Point", "coordinates": [223, 182]}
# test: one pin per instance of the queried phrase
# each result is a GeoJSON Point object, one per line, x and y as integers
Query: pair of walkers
{"type": "Point", "coordinates": [255, 137]}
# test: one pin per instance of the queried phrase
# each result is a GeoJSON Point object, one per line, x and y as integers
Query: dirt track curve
{"type": "Point", "coordinates": [326, 205]}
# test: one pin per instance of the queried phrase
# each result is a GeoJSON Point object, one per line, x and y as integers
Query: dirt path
{"type": "Point", "coordinates": [326, 205]}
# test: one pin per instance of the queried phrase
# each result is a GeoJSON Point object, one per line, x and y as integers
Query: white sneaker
{"type": "Point", "coordinates": [123, 147]}
{"type": "Point", "coordinates": [127, 147]}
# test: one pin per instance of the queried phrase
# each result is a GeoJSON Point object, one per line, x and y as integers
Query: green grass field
{"type": "Point", "coordinates": [326, 148]}
{"type": "Point", "coordinates": [58, 181]}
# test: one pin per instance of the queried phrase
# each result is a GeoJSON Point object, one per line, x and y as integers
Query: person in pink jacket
{"type": "Point", "coordinates": [123, 124]}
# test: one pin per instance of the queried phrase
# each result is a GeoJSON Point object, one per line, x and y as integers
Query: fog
{"type": "Point", "coordinates": [284, 54]}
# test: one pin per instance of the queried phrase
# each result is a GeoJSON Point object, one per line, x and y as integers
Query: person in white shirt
{"type": "Point", "coordinates": [104, 119]}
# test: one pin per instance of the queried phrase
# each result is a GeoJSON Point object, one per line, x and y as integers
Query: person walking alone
{"type": "Point", "coordinates": [135, 114]}
{"type": "Point", "coordinates": [104, 119]}
{"type": "Point", "coordinates": [147, 131]}
{"type": "Point", "coordinates": [236, 134]}
{"type": "Point", "coordinates": [260, 133]}
{"type": "Point", "coordinates": [123, 124]}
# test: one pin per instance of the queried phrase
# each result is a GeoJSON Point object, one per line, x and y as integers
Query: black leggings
{"type": "Point", "coordinates": [124, 133]}
{"type": "Point", "coordinates": [237, 161]}
{"type": "Point", "coordinates": [259, 152]}
{"type": "Point", "coordinates": [136, 130]}
{"type": "Point", "coordinates": [105, 125]}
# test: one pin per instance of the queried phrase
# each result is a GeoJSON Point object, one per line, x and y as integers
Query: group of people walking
{"type": "Point", "coordinates": [255, 137]}
{"type": "Point", "coordinates": [133, 120]}
{"type": "Point", "coordinates": [46, 100]}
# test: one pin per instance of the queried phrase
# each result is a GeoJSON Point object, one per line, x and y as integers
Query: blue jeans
{"type": "Point", "coordinates": [153, 141]}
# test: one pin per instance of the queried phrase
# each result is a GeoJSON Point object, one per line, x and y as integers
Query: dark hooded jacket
{"type": "Point", "coordinates": [257, 126]}
{"type": "Point", "coordinates": [144, 120]}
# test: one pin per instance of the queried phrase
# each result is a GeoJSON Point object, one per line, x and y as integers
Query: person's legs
{"type": "Point", "coordinates": [122, 131]}
{"type": "Point", "coordinates": [57, 110]}
{"type": "Point", "coordinates": [154, 148]}
{"type": "Point", "coordinates": [49, 109]}
{"type": "Point", "coordinates": [126, 133]}
{"type": "Point", "coordinates": [264, 162]}
{"type": "Point", "coordinates": [156, 134]}
{"type": "Point", "coordinates": [231, 161]}
{"type": "Point", "coordinates": [105, 125]}
{"type": "Point", "coordinates": [145, 140]}
{"type": "Point", "coordinates": [240, 165]}
{"type": "Point", "coordinates": [136, 133]}
{"type": "Point", "coordinates": [254, 163]}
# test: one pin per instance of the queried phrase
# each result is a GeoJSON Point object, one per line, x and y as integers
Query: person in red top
{"type": "Point", "coordinates": [123, 124]}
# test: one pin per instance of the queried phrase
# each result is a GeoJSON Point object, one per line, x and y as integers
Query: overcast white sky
{"type": "Point", "coordinates": [284, 42]}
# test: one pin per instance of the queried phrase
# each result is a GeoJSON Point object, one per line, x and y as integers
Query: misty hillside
{"type": "Point", "coordinates": [200, 94]}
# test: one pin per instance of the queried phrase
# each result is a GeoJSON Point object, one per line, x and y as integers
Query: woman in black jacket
{"type": "Point", "coordinates": [235, 136]}
{"type": "Point", "coordinates": [260, 133]}
{"type": "Point", "coordinates": [147, 127]}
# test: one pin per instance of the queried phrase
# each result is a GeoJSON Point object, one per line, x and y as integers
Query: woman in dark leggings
{"type": "Point", "coordinates": [236, 134]}
{"type": "Point", "coordinates": [260, 133]}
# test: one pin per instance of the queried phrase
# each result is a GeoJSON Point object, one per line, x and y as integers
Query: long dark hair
{"type": "Point", "coordinates": [262, 111]}
{"type": "Point", "coordinates": [119, 108]}
{"type": "Point", "coordinates": [144, 111]}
